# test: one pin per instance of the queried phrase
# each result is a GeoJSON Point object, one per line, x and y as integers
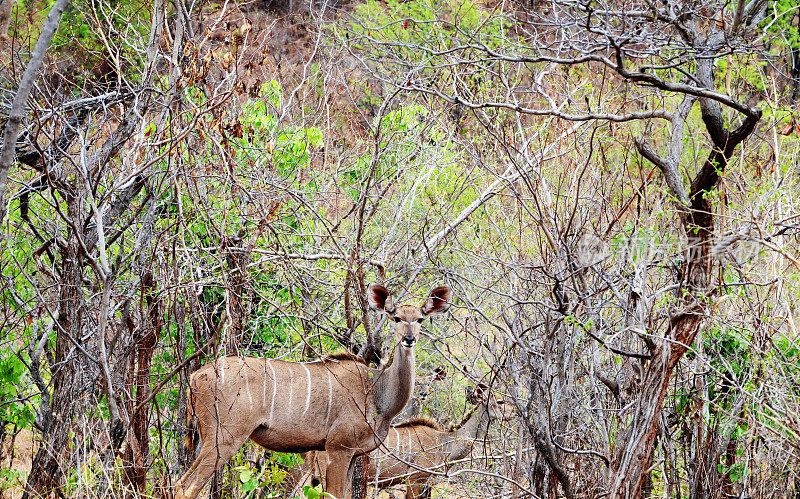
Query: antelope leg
{"type": "Point", "coordinates": [213, 454]}
{"type": "Point", "coordinates": [339, 469]}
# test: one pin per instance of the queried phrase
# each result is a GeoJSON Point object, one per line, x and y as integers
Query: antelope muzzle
{"type": "Point", "coordinates": [408, 339]}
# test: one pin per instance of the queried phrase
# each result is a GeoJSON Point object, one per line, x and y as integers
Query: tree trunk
{"type": "Point", "coordinates": [634, 455]}
{"type": "Point", "coordinates": [358, 486]}
{"type": "Point", "coordinates": [637, 446]}
{"type": "Point", "coordinates": [147, 341]}
{"type": "Point", "coordinates": [236, 256]}
{"type": "Point", "coordinates": [184, 458]}
{"type": "Point", "coordinates": [6, 13]}
{"type": "Point", "coordinates": [48, 464]}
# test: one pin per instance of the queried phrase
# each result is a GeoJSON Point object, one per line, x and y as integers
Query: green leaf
{"type": "Point", "coordinates": [310, 492]}
{"type": "Point", "coordinates": [246, 475]}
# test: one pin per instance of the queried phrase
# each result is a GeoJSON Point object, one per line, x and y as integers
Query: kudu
{"type": "Point", "coordinates": [413, 451]}
{"type": "Point", "coordinates": [337, 404]}
{"type": "Point", "coordinates": [423, 388]}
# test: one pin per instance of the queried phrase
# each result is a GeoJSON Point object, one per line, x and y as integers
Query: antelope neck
{"type": "Point", "coordinates": [395, 381]}
{"type": "Point", "coordinates": [474, 429]}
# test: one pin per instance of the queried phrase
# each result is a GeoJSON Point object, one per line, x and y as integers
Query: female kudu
{"type": "Point", "coordinates": [337, 404]}
{"type": "Point", "coordinates": [413, 451]}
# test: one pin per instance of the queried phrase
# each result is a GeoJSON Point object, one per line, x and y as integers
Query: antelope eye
{"type": "Point", "coordinates": [396, 319]}
{"type": "Point", "coordinates": [421, 319]}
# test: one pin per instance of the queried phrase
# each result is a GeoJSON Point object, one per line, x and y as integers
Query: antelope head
{"type": "Point", "coordinates": [496, 408]}
{"type": "Point", "coordinates": [408, 318]}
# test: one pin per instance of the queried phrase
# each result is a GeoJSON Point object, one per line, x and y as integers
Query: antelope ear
{"type": "Point", "coordinates": [481, 392]}
{"type": "Point", "coordinates": [438, 302]}
{"type": "Point", "coordinates": [380, 299]}
{"type": "Point", "coordinates": [477, 394]}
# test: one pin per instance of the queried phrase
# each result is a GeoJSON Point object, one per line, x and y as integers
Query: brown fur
{"type": "Point", "coordinates": [344, 355]}
{"type": "Point", "coordinates": [191, 435]}
{"type": "Point", "coordinates": [425, 446]}
{"type": "Point", "coordinates": [467, 416]}
{"type": "Point", "coordinates": [337, 404]}
{"type": "Point", "coordinates": [419, 421]}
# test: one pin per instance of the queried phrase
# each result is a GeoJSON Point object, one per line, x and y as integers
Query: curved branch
{"type": "Point", "coordinates": [636, 76]}
{"type": "Point", "coordinates": [616, 118]}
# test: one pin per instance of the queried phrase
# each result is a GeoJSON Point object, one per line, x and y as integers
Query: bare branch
{"type": "Point", "coordinates": [18, 107]}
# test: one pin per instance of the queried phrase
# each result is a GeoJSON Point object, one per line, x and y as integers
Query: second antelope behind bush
{"type": "Point", "coordinates": [416, 450]}
{"type": "Point", "coordinates": [337, 404]}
